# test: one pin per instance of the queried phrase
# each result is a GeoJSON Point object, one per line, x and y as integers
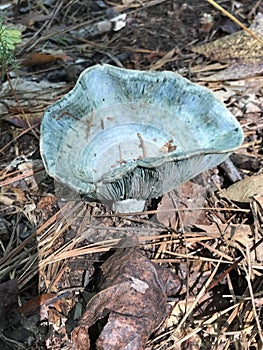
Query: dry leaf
{"type": "Point", "coordinates": [24, 120]}
{"type": "Point", "coordinates": [33, 306]}
{"type": "Point", "coordinates": [134, 294]}
{"type": "Point", "coordinates": [46, 205]}
{"type": "Point", "coordinates": [244, 190]}
{"type": "Point", "coordinates": [237, 47]}
{"type": "Point", "coordinates": [190, 195]}
{"type": "Point", "coordinates": [243, 52]}
{"type": "Point", "coordinates": [11, 195]}
{"type": "Point", "coordinates": [36, 58]}
{"type": "Point", "coordinates": [235, 233]}
{"type": "Point", "coordinates": [6, 200]}
{"type": "Point", "coordinates": [237, 71]}
{"type": "Point", "coordinates": [244, 161]}
{"type": "Point", "coordinates": [33, 17]}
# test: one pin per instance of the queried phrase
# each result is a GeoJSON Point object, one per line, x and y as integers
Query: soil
{"type": "Point", "coordinates": [52, 249]}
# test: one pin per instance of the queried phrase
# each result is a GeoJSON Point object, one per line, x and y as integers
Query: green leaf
{"type": "Point", "coordinates": [9, 38]}
{"type": "Point", "coordinates": [12, 37]}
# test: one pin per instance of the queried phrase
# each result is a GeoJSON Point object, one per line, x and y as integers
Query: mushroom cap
{"type": "Point", "coordinates": [124, 136]}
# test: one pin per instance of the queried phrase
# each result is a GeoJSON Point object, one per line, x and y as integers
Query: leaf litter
{"type": "Point", "coordinates": [133, 294]}
{"type": "Point", "coordinates": [243, 53]}
{"type": "Point", "coordinates": [243, 191]}
{"type": "Point", "coordinates": [211, 242]}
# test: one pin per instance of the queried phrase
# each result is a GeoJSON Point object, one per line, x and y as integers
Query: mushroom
{"type": "Point", "coordinates": [124, 136]}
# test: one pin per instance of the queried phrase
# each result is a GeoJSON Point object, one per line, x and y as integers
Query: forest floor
{"type": "Point", "coordinates": [208, 233]}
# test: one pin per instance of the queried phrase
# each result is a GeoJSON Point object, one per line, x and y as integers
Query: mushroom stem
{"type": "Point", "coordinates": [129, 206]}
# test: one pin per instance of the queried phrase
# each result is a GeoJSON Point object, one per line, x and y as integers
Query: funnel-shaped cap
{"type": "Point", "coordinates": [123, 136]}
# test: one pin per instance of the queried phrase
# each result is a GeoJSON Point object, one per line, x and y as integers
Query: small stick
{"type": "Point", "coordinates": [144, 153]}
{"type": "Point", "coordinates": [122, 161]}
{"type": "Point", "coordinates": [90, 121]}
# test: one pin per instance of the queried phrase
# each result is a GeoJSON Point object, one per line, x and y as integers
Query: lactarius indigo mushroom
{"type": "Point", "coordinates": [124, 136]}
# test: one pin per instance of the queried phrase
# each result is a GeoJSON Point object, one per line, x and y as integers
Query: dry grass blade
{"type": "Point", "coordinates": [198, 298]}
{"type": "Point", "coordinates": [249, 278]}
